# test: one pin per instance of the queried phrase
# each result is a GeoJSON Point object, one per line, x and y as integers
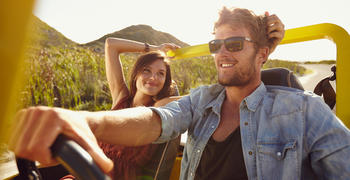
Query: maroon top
{"type": "Point", "coordinates": [128, 161]}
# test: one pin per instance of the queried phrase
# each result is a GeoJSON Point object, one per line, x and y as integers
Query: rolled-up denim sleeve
{"type": "Point", "coordinates": [328, 141]}
{"type": "Point", "coordinates": [175, 118]}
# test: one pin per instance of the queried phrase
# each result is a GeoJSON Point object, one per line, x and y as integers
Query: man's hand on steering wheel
{"type": "Point", "coordinates": [38, 128]}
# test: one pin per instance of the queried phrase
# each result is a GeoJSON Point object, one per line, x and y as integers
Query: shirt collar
{"type": "Point", "coordinates": [216, 105]}
{"type": "Point", "coordinates": [253, 100]}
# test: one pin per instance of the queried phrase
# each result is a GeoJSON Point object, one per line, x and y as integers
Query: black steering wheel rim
{"type": "Point", "coordinates": [71, 155]}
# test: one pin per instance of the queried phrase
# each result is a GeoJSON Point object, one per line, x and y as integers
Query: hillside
{"type": "Point", "coordinates": [142, 33]}
{"type": "Point", "coordinates": [44, 35]}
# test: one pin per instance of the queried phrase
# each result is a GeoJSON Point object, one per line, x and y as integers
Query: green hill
{"type": "Point", "coordinates": [142, 33]}
{"type": "Point", "coordinates": [44, 36]}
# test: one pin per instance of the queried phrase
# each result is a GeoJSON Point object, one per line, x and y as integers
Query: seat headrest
{"type": "Point", "coordinates": [280, 77]}
{"type": "Point", "coordinates": [175, 89]}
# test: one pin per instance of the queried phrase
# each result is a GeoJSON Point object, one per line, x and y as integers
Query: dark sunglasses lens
{"type": "Point", "coordinates": [233, 45]}
{"type": "Point", "coordinates": [214, 46]}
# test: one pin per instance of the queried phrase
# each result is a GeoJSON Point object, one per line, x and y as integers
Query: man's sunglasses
{"type": "Point", "coordinates": [232, 44]}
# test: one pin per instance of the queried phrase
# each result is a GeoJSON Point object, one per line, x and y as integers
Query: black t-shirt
{"type": "Point", "coordinates": [222, 160]}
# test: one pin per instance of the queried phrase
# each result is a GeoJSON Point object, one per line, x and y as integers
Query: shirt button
{"type": "Point", "coordinates": [246, 123]}
{"type": "Point", "coordinates": [279, 154]}
{"type": "Point", "coordinates": [198, 151]}
{"type": "Point", "coordinates": [191, 174]}
{"type": "Point", "coordinates": [212, 126]}
{"type": "Point", "coordinates": [250, 152]}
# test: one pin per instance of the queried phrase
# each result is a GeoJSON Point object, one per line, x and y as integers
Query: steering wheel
{"type": "Point", "coordinates": [73, 157]}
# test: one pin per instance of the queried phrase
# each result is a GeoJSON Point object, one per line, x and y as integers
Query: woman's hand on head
{"type": "Point", "coordinates": [38, 128]}
{"type": "Point", "coordinates": [165, 47]}
{"type": "Point", "coordinates": [275, 30]}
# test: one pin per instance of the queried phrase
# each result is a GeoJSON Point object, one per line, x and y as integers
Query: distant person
{"type": "Point", "coordinates": [237, 129]}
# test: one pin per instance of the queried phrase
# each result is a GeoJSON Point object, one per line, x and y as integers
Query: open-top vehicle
{"type": "Point", "coordinates": [11, 56]}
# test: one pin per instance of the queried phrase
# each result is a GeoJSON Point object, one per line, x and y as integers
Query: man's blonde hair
{"type": "Point", "coordinates": [237, 17]}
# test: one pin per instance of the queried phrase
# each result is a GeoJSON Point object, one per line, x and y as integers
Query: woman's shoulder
{"type": "Point", "coordinates": [166, 100]}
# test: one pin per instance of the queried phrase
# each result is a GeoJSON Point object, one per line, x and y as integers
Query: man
{"type": "Point", "coordinates": [238, 128]}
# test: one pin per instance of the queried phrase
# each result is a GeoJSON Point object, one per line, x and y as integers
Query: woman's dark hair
{"type": "Point", "coordinates": [144, 60]}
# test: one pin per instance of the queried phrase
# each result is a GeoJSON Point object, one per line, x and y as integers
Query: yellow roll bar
{"type": "Point", "coordinates": [319, 31]}
{"type": "Point", "coordinates": [342, 40]}
{"type": "Point", "coordinates": [14, 20]}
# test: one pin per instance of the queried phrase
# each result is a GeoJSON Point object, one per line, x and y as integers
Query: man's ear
{"type": "Point", "coordinates": [263, 54]}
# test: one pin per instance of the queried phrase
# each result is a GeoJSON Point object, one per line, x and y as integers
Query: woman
{"type": "Point", "coordinates": [150, 81]}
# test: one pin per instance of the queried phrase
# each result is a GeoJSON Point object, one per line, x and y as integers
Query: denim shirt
{"type": "Point", "coordinates": [286, 133]}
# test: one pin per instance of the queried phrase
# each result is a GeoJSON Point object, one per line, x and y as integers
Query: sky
{"type": "Point", "coordinates": [191, 21]}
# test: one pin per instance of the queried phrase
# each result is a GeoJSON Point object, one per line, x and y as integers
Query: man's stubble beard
{"type": "Point", "coordinates": [240, 78]}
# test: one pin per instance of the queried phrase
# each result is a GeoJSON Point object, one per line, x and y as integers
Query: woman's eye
{"type": "Point", "coordinates": [162, 74]}
{"type": "Point", "coordinates": [146, 71]}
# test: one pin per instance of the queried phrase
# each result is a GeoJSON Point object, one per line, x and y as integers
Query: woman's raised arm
{"type": "Point", "coordinates": [114, 70]}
